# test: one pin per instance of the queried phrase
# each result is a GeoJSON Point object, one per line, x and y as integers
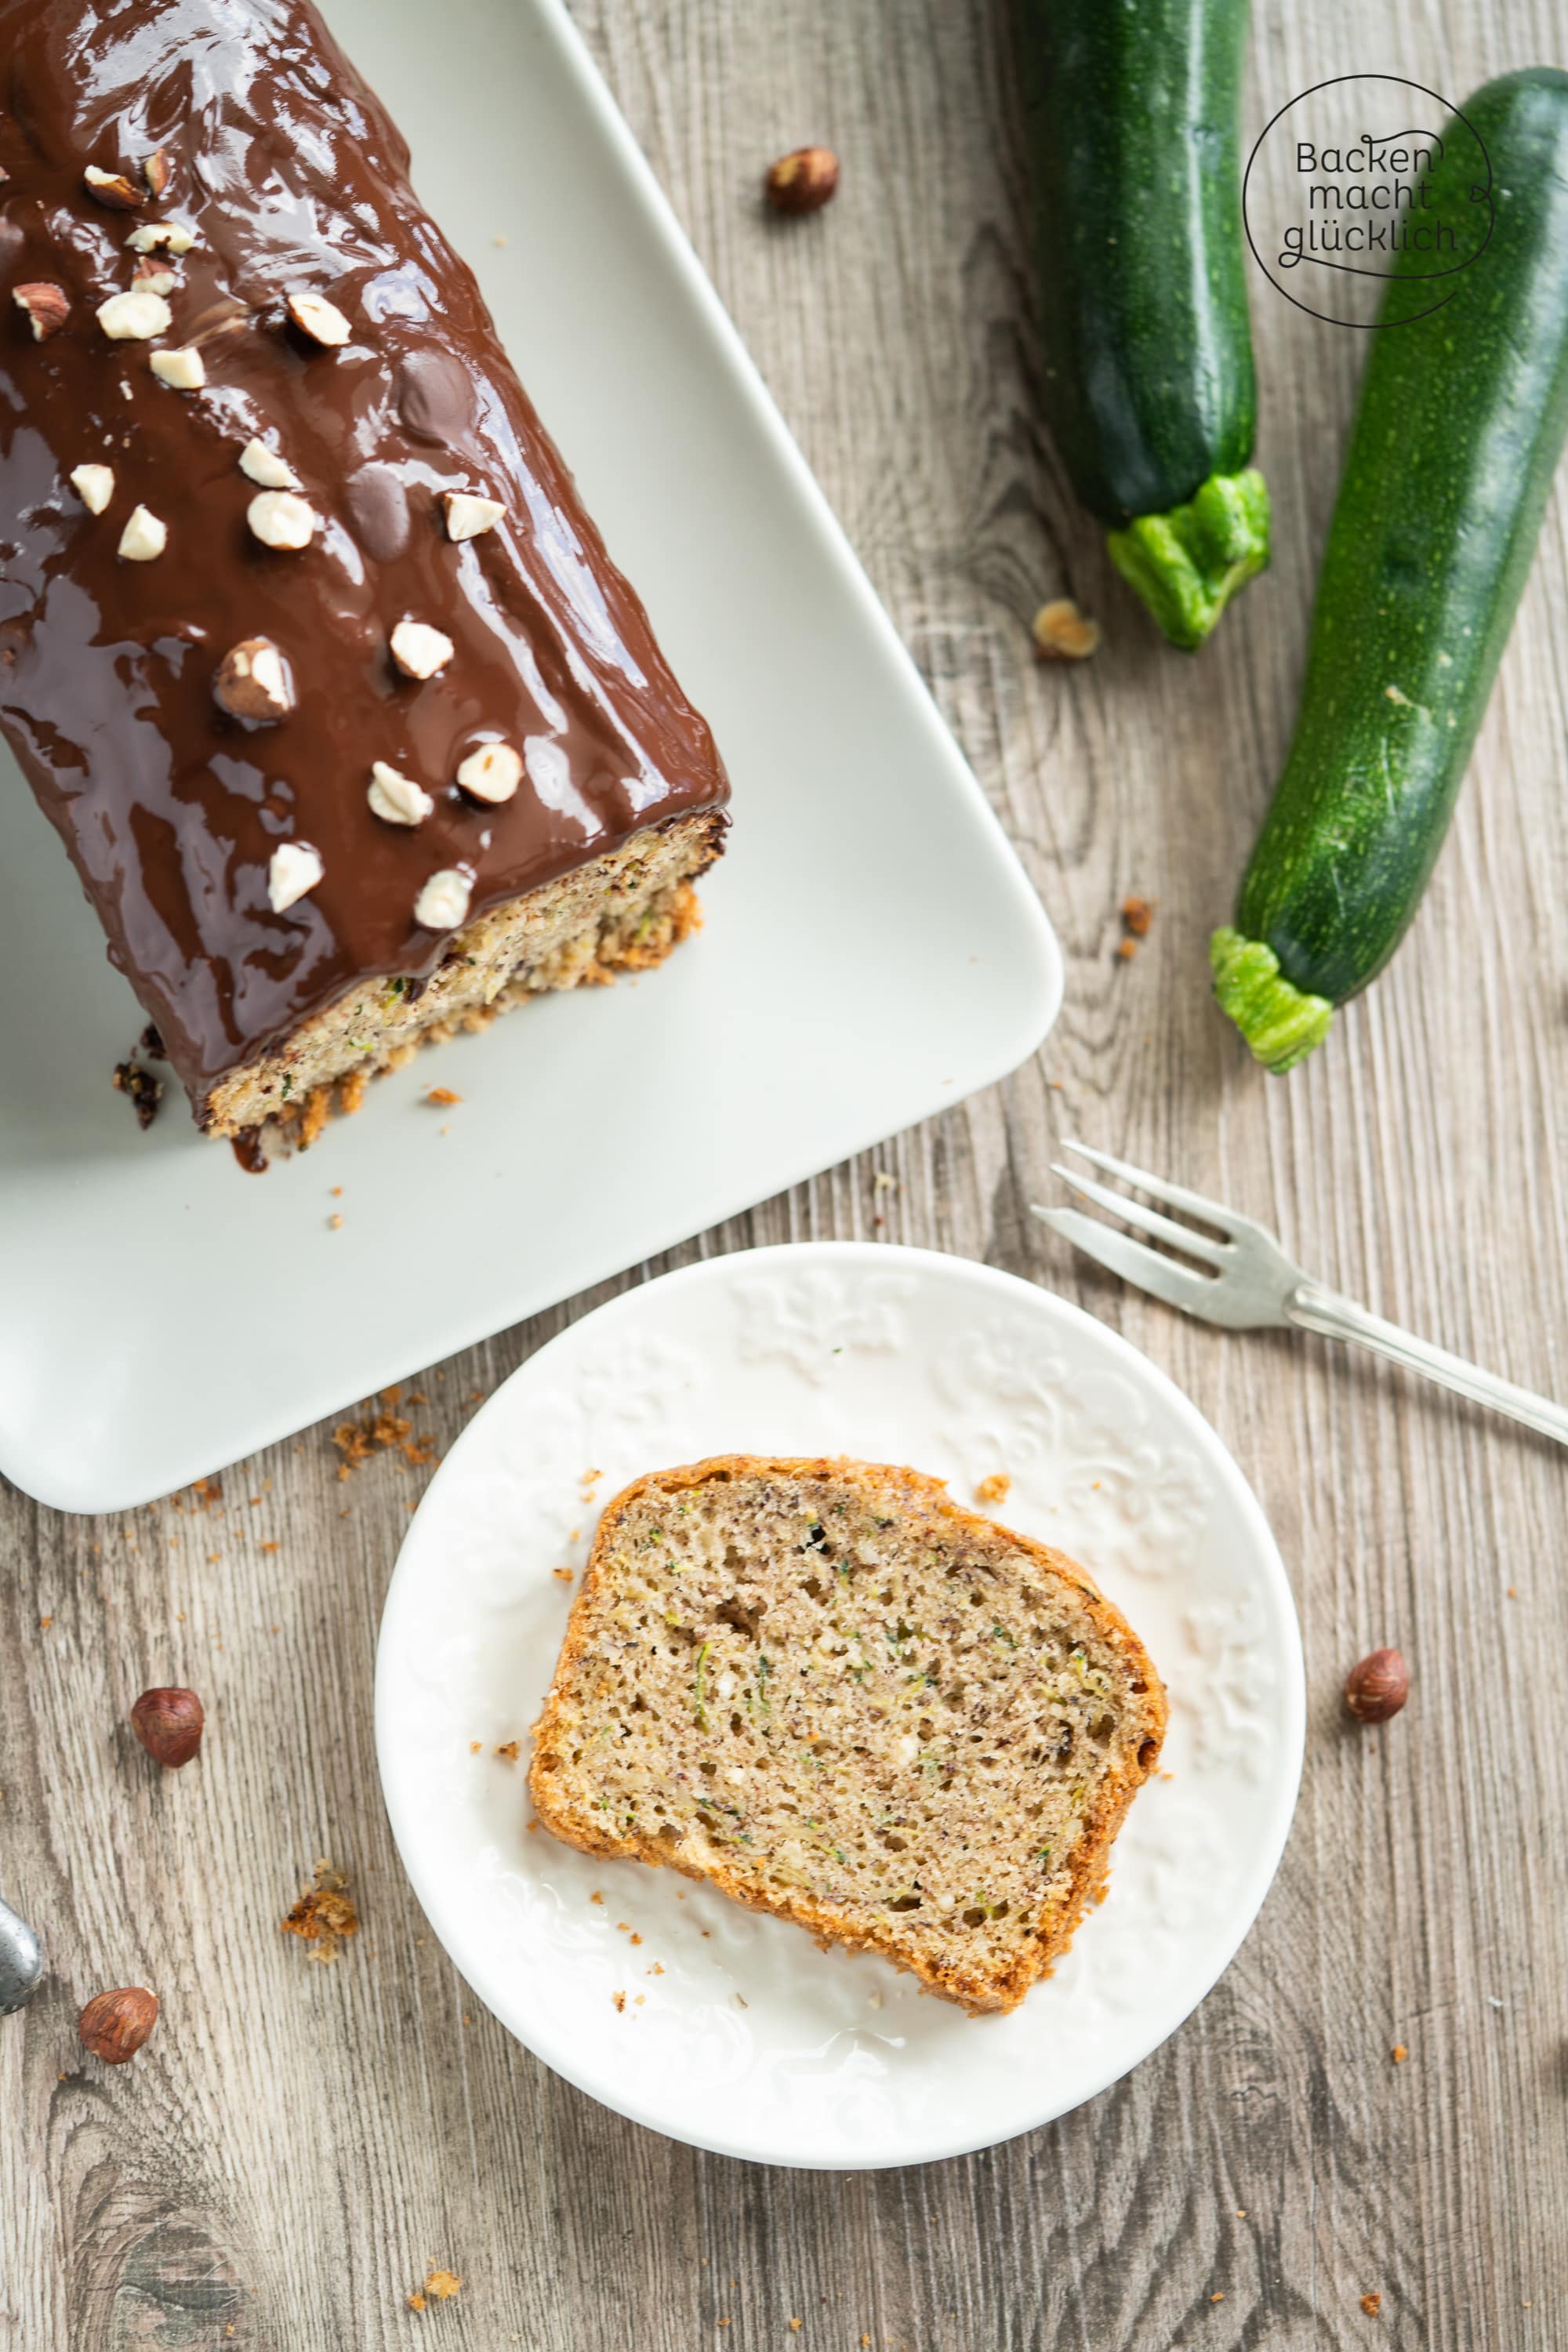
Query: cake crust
{"type": "Point", "coordinates": [979, 1978]}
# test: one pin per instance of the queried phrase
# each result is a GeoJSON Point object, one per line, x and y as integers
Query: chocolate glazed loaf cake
{"type": "Point", "coordinates": [307, 645]}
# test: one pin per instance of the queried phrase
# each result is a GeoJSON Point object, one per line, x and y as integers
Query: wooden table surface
{"type": "Point", "coordinates": [299, 2145]}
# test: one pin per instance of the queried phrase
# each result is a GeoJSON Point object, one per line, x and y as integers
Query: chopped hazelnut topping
{"type": "Point", "coordinates": [265, 467]}
{"type": "Point", "coordinates": [156, 172]}
{"type": "Point", "coordinates": [113, 189]}
{"type": "Point", "coordinates": [167, 237]}
{"type": "Point", "coordinates": [135, 317]}
{"type": "Point", "coordinates": [468, 516]}
{"type": "Point", "coordinates": [320, 319]}
{"type": "Point", "coordinates": [253, 681]}
{"type": "Point", "coordinates": [419, 650]}
{"type": "Point", "coordinates": [294, 868]}
{"type": "Point", "coordinates": [279, 519]}
{"type": "Point", "coordinates": [493, 773]}
{"type": "Point", "coordinates": [397, 799]}
{"type": "Point", "coordinates": [48, 307]}
{"type": "Point", "coordinates": [94, 484]}
{"type": "Point", "coordinates": [443, 903]}
{"type": "Point", "coordinates": [181, 371]}
{"type": "Point", "coordinates": [148, 281]}
{"type": "Point", "coordinates": [143, 537]}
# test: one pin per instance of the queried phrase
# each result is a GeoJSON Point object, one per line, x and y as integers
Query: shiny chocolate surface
{"type": "Point", "coordinates": [291, 183]}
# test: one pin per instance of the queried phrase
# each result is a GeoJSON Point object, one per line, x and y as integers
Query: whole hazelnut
{"type": "Point", "coordinates": [1378, 1687]}
{"type": "Point", "coordinates": [802, 182]}
{"type": "Point", "coordinates": [169, 1724]}
{"type": "Point", "coordinates": [114, 2025]}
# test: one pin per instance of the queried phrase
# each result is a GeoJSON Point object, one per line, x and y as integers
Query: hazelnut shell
{"type": "Point", "coordinates": [1377, 1688]}
{"type": "Point", "coordinates": [803, 181]}
{"type": "Point", "coordinates": [114, 2025]}
{"type": "Point", "coordinates": [169, 1724]}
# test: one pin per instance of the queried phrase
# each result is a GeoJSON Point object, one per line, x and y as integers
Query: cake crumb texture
{"type": "Point", "coordinates": [827, 1690]}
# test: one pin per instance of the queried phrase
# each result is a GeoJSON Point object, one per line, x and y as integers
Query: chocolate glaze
{"type": "Point", "coordinates": [292, 178]}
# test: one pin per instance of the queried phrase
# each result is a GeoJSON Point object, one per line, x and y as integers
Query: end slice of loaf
{"type": "Point", "coordinates": [836, 1696]}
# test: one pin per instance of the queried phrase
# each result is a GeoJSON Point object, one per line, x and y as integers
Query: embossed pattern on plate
{"type": "Point", "coordinates": [679, 2008]}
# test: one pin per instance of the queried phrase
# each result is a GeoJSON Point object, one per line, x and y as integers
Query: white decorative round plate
{"type": "Point", "coordinates": [730, 2030]}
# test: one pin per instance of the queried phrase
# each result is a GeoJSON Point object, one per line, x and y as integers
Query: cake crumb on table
{"type": "Point", "coordinates": [1137, 914]}
{"type": "Point", "coordinates": [993, 1489]}
{"type": "Point", "coordinates": [1372, 2304]}
{"type": "Point", "coordinates": [324, 1916]}
{"type": "Point", "coordinates": [510, 1750]}
{"type": "Point", "coordinates": [441, 2285]}
{"type": "Point", "coordinates": [1399, 2054]}
{"type": "Point", "coordinates": [620, 2000]}
{"type": "Point", "coordinates": [442, 1095]}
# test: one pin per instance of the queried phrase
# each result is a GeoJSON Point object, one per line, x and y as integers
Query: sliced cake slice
{"type": "Point", "coordinates": [827, 1689]}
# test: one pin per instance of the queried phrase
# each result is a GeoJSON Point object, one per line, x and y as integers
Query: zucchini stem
{"type": "Point", "coordinates": [1187, 565]}
{"type": "Point", "coordinates": [1281, 1022]}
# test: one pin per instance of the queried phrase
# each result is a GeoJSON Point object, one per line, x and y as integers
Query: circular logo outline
{"type": "Point", "coordinates": [1372, 326]}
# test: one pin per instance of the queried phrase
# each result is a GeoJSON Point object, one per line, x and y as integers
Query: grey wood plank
{"type": "Point", "coordinates": [299, 2145]}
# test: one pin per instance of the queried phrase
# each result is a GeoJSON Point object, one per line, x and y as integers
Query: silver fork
{"type": "Point", "coordinates": [1253, 1285]}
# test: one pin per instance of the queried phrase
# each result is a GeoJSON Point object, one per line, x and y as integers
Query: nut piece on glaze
{"type": "Point", "coordinates": [419, 650]}
{"type": "Point", "coordinates": [397, 799]}
{"type": "Point", "coordinates": [168, 237]}
{"type": "Point", "coordinates": [280, 518]}
{"type": "Point", "coordinates": [1377, 1688]}
{"type": "Point", "coordinates": [293, 868]}
{"type": "Point", "coordinates": [181, 371]}
{"type": "Point", "coordinates": [443, 903]}
{"type": "Point", "coordinates": [493, 773]}
{"type": "Point", "coordinates": [135, 317]}
{"type": "Point", "coordinates": [113, 189]}
{"type": "Point", "coordinates": [267, 468]}
{"type": "Point", "coordinates": [802, 182]}
{"type": "Point", "coordinates": [150, 279]}
{"type": "Point", "coordinates": [320, 319]}
{"type": "Point", "coordinates": [114, 2025]}
{"type": "Point", "coordinates": [156, 172]}
{"type": "Point", "coordinates": [169, 1724]}
{"type": "Point", "coordinates": [468, 516]}
{"type": "Point", "coordinates": [47, 306]}
{"type": "Point", "coordinates": [143, 539]}
{"type": "Point", "coordinates": [94, 486]}
{"type": "Point", "coordinates": [253, 681]}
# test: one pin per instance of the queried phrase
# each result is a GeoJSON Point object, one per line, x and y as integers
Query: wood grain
{"type": "Point", "coordinates": [298, 2145]}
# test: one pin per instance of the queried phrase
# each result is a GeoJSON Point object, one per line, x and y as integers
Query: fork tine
{"type": "Point", "coordinates": [1134, 1261]}
{"type": "Point", "coordinates": [1148, 1221]}
{"type": "Point", "coordinates": [1174, 1196]}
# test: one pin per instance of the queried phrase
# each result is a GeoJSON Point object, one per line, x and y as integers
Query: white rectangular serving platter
{"type": "Point", "coordinates": [872, 951]}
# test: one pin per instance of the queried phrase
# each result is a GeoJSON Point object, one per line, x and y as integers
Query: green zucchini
{"type": "Point", "coordinates": [1132, 119]}
{"type": "Point", "coordinates": [1462, 417]}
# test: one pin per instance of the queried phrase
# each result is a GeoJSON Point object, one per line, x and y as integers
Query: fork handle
{"type": "Point", "coordinates": [1317, 1309]}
